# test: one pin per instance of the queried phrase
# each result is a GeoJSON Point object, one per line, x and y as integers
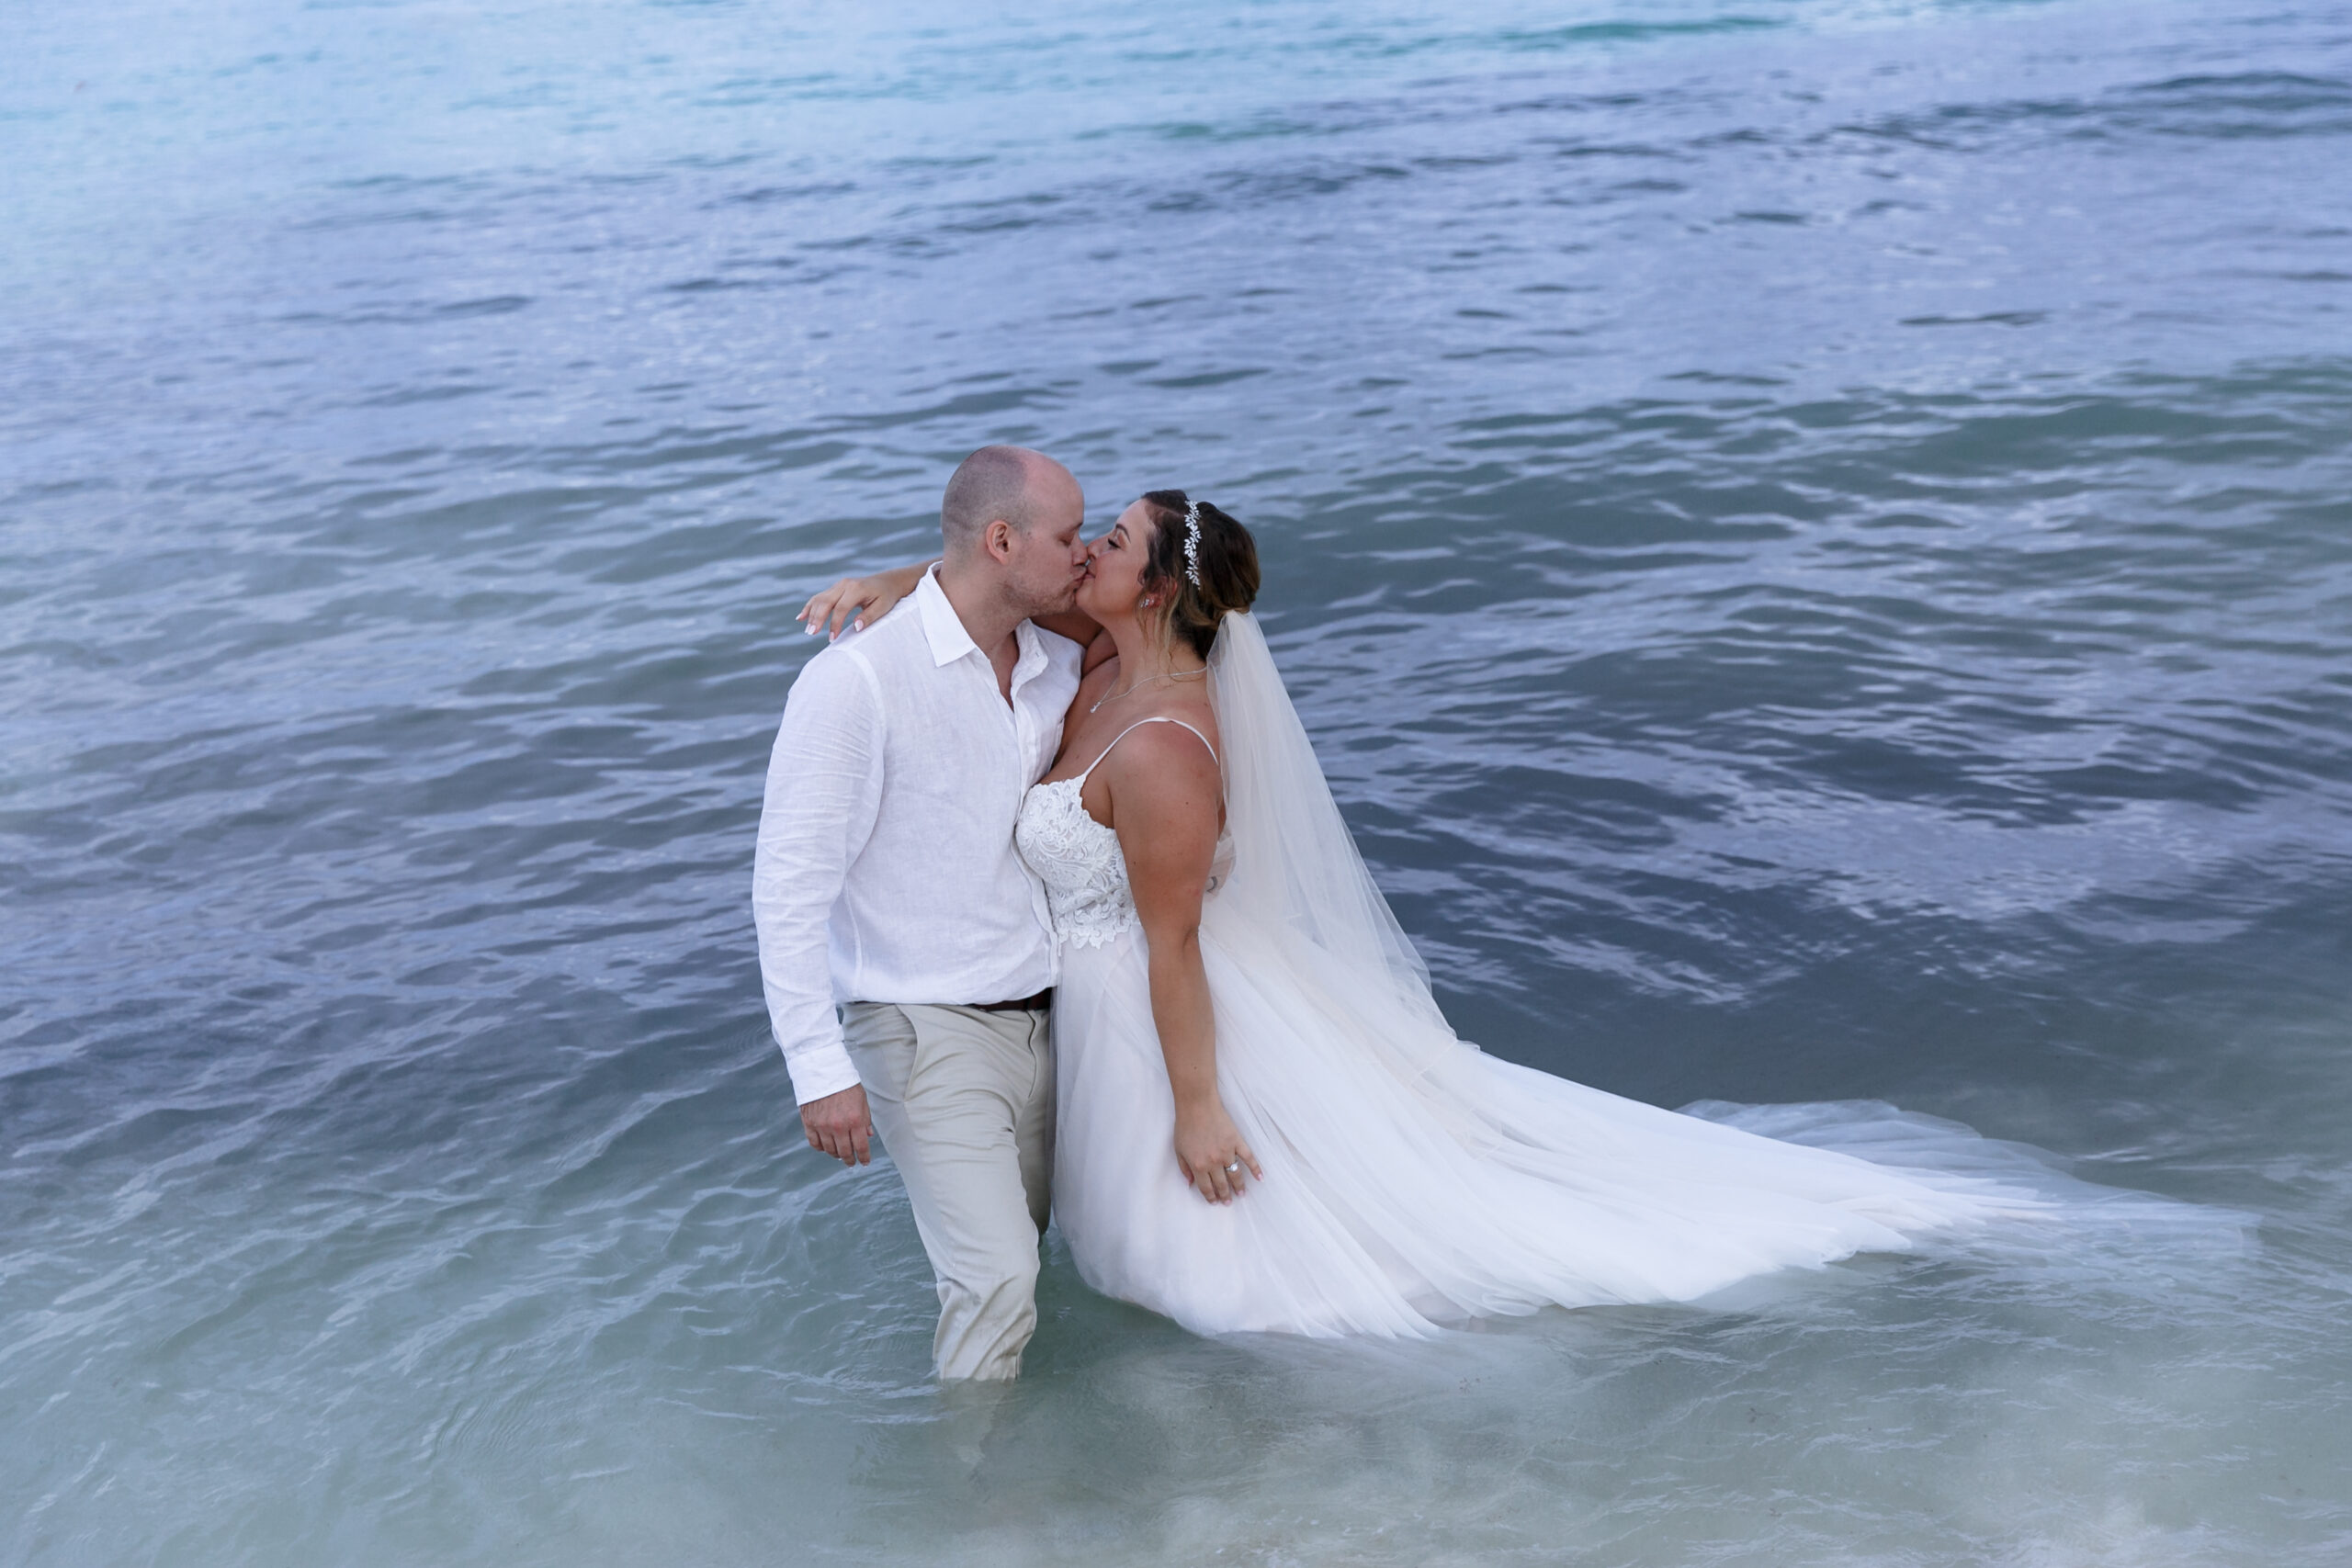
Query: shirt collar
{"type": "Point", "coordinates": [943, 630]}
{"type": "Point", "coordinates": [1032, 658]}
{"type": "Point", "coordinates": [941, 627]}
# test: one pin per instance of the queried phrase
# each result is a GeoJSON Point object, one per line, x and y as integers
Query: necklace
{"type": "Point", "coordinates": [1149, 680]}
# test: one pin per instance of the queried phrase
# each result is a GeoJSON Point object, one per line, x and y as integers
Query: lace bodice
{"type": "Point", "coordinates": [1079, 859]}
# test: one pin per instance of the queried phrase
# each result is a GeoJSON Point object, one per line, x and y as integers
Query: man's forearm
{"type": "Point", "coordinates": [818, 798]}
{"type": "Point", "coordinates": [795, 965]}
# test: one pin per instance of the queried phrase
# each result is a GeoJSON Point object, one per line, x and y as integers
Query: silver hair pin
{"type": "Point", "coordinates": [1193, 543]}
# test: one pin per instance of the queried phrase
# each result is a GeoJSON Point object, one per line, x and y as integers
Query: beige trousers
{"type": "Point", "coordinates": [964, 1100]}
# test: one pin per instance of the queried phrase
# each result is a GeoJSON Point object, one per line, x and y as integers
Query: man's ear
{"type": "Point", "coordinates": [997, 539]}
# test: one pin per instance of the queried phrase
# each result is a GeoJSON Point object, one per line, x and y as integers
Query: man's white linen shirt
{"type": "Point", "coordinates": [885, 870]}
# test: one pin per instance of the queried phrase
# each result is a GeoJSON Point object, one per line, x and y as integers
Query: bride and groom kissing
{"type": "Point", "coordinates": [1052, 897]}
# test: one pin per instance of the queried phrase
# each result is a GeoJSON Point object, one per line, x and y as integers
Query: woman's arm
{"type": "Point", "coordinates": [867, 598]}
{"type": "Point", "coordinates": [1164, 790]}
{"type": "Point", "coordinates": [870, 598]}
{"type": "Point", "coordinates": [1100, 650]}
{"type": "Point", "coordinates": [1080, 628]}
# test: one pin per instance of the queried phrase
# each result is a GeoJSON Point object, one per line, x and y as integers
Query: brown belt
{"type": "Point", "coordinates": [1037, 1003]}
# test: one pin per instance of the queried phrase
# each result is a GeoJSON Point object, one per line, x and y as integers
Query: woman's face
{"type": "Point", "coordinates": [1115, 565]}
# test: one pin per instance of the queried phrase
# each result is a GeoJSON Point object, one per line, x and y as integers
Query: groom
{"type": "Point", "coordinates": [886, 883]}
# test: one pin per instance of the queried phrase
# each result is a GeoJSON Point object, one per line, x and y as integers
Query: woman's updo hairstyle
{"type": "Point", "coordinates": [1228, 563]}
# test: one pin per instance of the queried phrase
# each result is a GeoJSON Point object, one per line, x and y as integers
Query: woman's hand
{"type": "Point", "coordinates": [1210, 1152]}
{"type": "Point", "coordinates": [854, 601]}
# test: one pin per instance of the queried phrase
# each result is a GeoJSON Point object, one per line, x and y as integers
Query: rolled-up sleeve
{"type": "Point", "coordinates": [824, 787]}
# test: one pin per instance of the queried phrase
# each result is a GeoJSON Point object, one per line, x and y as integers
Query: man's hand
{"type": "Point", "coordinates": [839, 1125]}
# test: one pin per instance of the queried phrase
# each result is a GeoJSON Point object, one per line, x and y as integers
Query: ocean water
{"type": "Point", "coordinates": [1814, 538]}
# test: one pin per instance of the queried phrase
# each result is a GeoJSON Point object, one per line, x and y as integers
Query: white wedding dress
{"type": "Point", "coordinates": [1410, 1179]}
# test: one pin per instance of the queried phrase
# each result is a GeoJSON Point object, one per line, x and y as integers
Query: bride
{"type": "Point", "coordinates": [1265, 1123]}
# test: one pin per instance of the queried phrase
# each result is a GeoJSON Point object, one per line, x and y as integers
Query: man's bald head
{"type": "Point", "coordinates": [1012, 517]}
{"type": "Point", "coordinates": [1011, 484]}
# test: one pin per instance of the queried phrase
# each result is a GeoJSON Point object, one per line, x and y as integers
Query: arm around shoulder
{"type": "Point", "coordinates": [855, 602]}
{"type": "Point", "coordinates": [1080, 628]}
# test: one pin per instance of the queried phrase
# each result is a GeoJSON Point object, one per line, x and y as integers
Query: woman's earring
{"type": "Point", "coordinates": [1149, 601]}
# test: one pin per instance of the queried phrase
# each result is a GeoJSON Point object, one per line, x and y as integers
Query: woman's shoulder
{"type": "Point", "coordinates": [1163, 786]}
{"type": "Point", "coordinates": [1172, 733]}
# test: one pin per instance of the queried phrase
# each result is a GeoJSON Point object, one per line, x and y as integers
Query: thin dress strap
{"type": "Point", "coordinates": [1156, 718]}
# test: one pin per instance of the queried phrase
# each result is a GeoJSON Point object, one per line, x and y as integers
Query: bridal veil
{"type": "Point", "coordinates": [1296, 874]}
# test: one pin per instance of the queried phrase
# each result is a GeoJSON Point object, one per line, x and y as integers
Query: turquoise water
{"type": "Point", "coordinates": [1812, 540]}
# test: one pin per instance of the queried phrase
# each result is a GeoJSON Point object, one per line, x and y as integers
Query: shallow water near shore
{"type": "Point", "coordinates": [1812, 540]}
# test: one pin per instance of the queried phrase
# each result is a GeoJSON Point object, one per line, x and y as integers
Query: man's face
{"type": "Point", "coordinates": [1046, 560]}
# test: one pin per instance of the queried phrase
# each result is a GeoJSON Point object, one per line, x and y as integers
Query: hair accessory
{"type": "Point", "coordinates": [1193, 543]}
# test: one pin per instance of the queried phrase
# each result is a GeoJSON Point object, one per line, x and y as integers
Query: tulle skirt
{"type": "Point", "coordinates": [1412, 1181]}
